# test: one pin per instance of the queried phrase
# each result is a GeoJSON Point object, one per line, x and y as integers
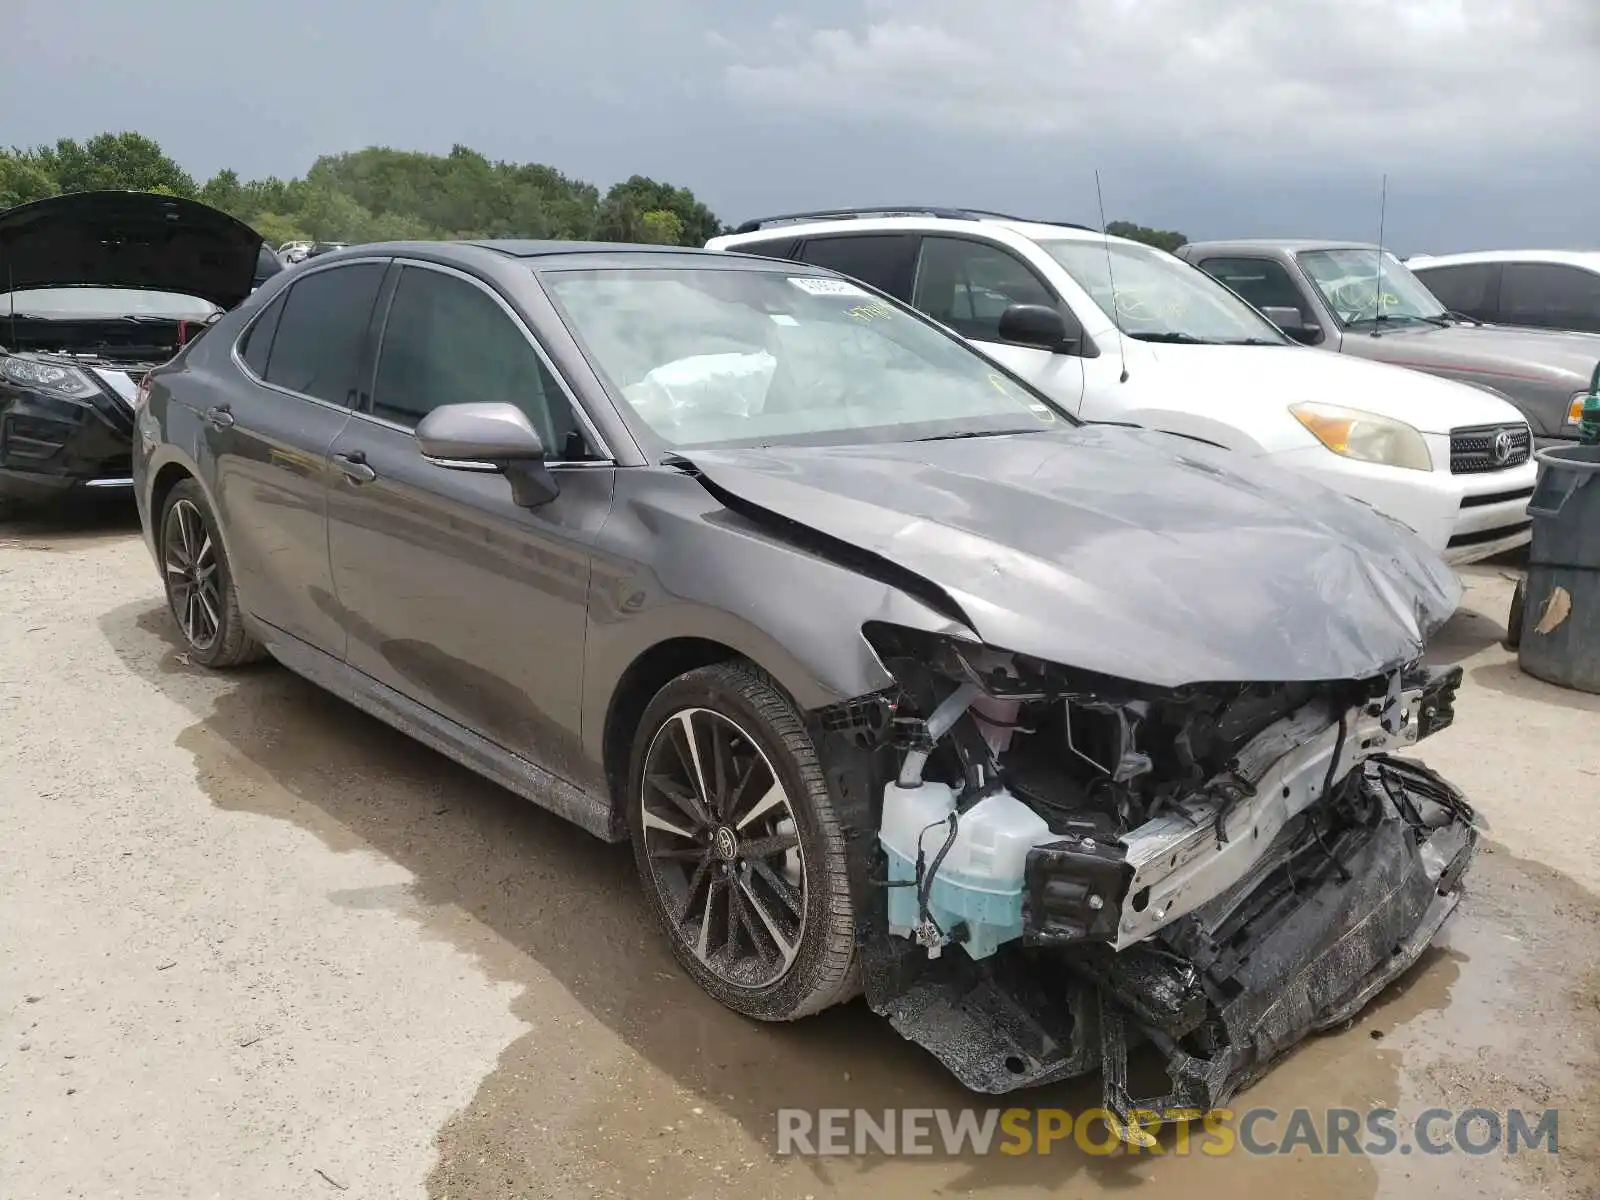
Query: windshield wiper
{"type": "Point", "coordinates": [975, 433]}
{"type": "Point", "coordinates": [1247, 342]}
{"type": "Point", "coordinates": [1385, 319]}
{"type": "Point", "coordinates": [1176, 338]}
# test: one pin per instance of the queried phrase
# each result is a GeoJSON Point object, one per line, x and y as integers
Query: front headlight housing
{"type": "Point", "coordinates": [1365, 436]}
{"type": "Point", "coordinates": [62, 381]}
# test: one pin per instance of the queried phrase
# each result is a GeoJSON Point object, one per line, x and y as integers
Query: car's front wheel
{"type": "Point", "coordinates": [200, 589]}
{"type": "Point", "coordinates": [740, 849]}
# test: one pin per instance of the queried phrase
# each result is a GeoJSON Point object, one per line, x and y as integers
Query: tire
{"type": "Point", "coordinates": [206, 613]}
{"type": "Point", "coordinates": [1519, 600]}
{"type": "Point", "coordinates": [736, 710]}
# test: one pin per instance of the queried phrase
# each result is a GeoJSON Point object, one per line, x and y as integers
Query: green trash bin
{"type": "Point", "coordinates": [1560, 635]}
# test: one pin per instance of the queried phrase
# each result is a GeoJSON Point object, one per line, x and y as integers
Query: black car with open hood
{"type": "Point", "coordinates": [95, 289]}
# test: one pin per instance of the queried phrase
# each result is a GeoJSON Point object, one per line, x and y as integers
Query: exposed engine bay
{"type": "Point", "coordinates": [1070, 867]}
{"type": "Point", "coordinates": [136, 341]}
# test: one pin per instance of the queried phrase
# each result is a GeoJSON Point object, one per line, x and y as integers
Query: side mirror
{"type": "Point", "coordinates": [1293, 323]}
{"type": "Point", "coordinates": [489, 437]}
{"type": "Point", "coordinates": [1036, 325]}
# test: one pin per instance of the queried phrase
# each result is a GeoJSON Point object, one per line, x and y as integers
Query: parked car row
{"type": "Point", "coordinates": [1356, 300]}
{"type": "Point", "coordinates": [1118, 331]}
{"type": "Point", "coordinates": [952, 609]}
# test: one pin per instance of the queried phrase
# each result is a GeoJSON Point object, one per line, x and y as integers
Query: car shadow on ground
{"type": "Point", "coordinates": [560, 904]}
{"type": "Point", "coordinates": [79, 521]}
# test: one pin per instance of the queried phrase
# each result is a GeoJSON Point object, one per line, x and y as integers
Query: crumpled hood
{"type": "Point", "coordinates": [1487, 352]}
{"type": "Point", "coordinates": [1132, 553]}
{"type": "Point", "coordinates": [128, 239]}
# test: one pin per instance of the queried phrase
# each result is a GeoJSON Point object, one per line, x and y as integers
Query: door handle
{"type": "Point", "coordinates": [219, 417]}
{"type": "Point", "coordinates": [353, 466]}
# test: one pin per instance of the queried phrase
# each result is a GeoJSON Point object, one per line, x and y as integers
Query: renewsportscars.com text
{"type": "Point", "coordinates": [1215, 1133]}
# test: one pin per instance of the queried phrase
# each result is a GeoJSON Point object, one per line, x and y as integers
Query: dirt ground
{"type": "Point", "coordinates": [255, 944]}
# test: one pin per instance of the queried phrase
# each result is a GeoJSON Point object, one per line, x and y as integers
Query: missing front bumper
{"type": "Point", "coordinates": [1221, 996]}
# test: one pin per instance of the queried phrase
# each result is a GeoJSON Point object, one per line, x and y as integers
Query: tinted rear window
{"type": "Point", "coordinates": [317, 350]}
{"type": "Point", "coordinates": [257, 343]}
{"type": "Point", "coordinates": [881, 259]}
{"type": "Point", "coordinates": [1471, 288]}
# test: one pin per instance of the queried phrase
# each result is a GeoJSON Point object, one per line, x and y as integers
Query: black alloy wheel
{"type": "Point", "coordinates": [199, 585]}
{"type": "Point", "coordinates": [737, 842]}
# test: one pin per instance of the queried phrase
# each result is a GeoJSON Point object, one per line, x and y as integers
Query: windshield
{"type": "Point", "coordinates": [1348, 281]}
{"type": "Point", "coordinates": [1160, 298]}
{"type": "Point", "coordinates": [716, 357]}
{"type": "Point", "coordinates": [97, 303]}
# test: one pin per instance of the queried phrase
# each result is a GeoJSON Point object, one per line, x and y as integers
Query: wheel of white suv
{"type": "Point", "coordinates": [200, 591]}
{"type": "Point", "coordinates": [739, 847]}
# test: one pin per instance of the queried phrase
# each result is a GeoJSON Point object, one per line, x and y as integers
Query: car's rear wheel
{"type": "Point", "coordinates": [738, 844]}
{"type": "Point", "coordinates": [200, 589]}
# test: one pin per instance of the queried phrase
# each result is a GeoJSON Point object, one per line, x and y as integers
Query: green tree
{"type": "Point", "coordinates": [276, 228]}
{"type": "Point", "coordinates": [223, 190]}
{"type": "Point", "coordinates": [377, 194]}
{"type": "Point", "coordinates": [1163, 239]}
{"type": "Point", "coordinates": [126, 161]}
{"type": "Point", "coordinates": [661, 228]}
{"type": "Point", "coordinates": [622, 213]}
{"type": "Point", "coordinates": [22, 179]}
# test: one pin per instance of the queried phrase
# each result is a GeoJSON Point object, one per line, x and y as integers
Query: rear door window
{"type": "Point", "coordinates": [768, 247]}
{"type": "Point", "coordinates": [883, 260]}
{"type": "Point", "coordinates": [1550, 295]}
{"type": "Point", "coordinates": [1469, 288]}
{"type": "Point", "coordinates": [318, 344]}
{"type": "Point", "coordinates": [257, 342]}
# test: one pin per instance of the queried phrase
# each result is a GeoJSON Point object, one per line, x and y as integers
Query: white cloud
{"type": "Point", "coordinates": [1329, 83]}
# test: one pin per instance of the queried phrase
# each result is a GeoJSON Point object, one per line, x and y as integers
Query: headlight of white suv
{"type": "Point", "coordinates": [1365, 436]}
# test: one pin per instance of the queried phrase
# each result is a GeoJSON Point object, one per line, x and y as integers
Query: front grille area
{"type": "Point", "coordinates": [1484, 536]}
{"type": "Point", "coordinates": [1481, 448]}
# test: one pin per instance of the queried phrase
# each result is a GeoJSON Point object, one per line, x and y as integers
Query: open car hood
{"type": "Point", "coordinates": [1125, 552]}
{"type": "Point", "coordinates": [130, 240]}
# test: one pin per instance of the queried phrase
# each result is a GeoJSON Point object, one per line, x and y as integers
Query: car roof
{"type": "Point", "coordinates": [1037, 231]}
{"type": "Point", "coordinates": [1292, 245]}
{"type": "Point", "coordinates": [1575, 258]}
{"type": "Point", "coordinates": [550, 254]}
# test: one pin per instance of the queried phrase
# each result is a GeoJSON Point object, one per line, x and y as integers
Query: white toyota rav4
{"type": "Point", "coordinates": [1185, 354]}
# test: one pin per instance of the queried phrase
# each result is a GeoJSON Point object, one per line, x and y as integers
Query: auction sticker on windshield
{"type": "Point", "coordinates": [813, 286]}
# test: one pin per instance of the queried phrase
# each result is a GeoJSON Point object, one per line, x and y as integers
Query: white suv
{"type": "Point", "coordinates": [1188, 356]}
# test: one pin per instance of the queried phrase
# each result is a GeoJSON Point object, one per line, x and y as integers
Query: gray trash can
{"type": "Point", "coordinates": [1560, 640]}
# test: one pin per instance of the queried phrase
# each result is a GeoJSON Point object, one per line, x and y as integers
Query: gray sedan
{"type": "Point", "coordinates": [1048, 738]}
{"type": "Point", "coordinates": [1337, 295]}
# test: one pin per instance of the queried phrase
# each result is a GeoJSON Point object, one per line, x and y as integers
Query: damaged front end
{"type": "Point", "coordinates": [1075, 866]}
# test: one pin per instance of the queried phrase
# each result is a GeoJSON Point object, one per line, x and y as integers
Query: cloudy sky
{"type": "Point", "coordinates": [1216, 117]}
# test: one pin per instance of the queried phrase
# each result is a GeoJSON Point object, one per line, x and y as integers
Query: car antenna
{"type": "Point", "coordinates": [1105, 238]}
{"type": "Point", "coordinates": [1377, 298]}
